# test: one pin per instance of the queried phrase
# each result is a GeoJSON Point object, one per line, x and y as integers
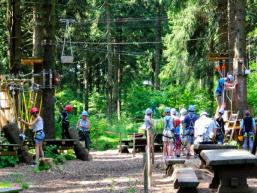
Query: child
{"type": "Point", "coordinates": [65, 121]}
{"type": "Point", "coordinates": [177, 136]}
{"type": "Point", "coordinates": [248, 129]}
{"type": "Point", "coordinates": [84, 127]}
{"type": "Point", "coordinates": [220, 128]}
{"type": "Point", "coordinates": [168, 134]}
{"type": "Point", "coordinates": [37, 125]}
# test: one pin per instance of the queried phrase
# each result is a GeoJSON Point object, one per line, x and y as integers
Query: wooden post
{"type": "Point", "coordinates": [148, 153]}
{"type": "Point", "coordinates": [134, 144]}
{"type": "Point", "coordinates": [145, 173]}
{"type": "Point", "coordinates": [120, 143]}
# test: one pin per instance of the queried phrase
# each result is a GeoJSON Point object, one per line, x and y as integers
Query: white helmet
{"type": "Point", "coordinates": [148, 111]}
{"type": "Point", "coordinates": [221, 111]}
{"type": "Point", "coordinates": [203, 113]}
{"type": "Point", "coordinates": [173, 111]}
{"type": "Point", "coordinates": [230, 77]}
{"type": "Point", "coordinates": [84, 113]}
{"type": "Point", "coordinates": [183, 111]}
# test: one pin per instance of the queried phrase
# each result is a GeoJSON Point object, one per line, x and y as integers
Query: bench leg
{"type": "Point", "coordinates": [215, 180]}
{"type": "Point", "coordinates": [187, 190]}
{"type": "Point", "coordinates": [232, 179]}
{"type": "Point", "coordinates": [169, 170]}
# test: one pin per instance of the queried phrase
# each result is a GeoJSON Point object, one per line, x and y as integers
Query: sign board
{"type": "Point", "coordinates": [217, 57]}
{"type": "Point", "coordinates": [31, 61]}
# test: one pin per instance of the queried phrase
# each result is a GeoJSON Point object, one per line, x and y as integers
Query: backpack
{"type": "Point", "coordinates": [248, 124]}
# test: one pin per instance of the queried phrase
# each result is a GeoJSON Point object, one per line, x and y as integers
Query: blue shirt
{"type": "Point", "coordinates": [220, 86]}
{"type": "Point", "coordinates": [190, 119]}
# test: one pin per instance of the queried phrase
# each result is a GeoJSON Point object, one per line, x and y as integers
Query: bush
{"type": "Point", "coordinates": [8, 161]}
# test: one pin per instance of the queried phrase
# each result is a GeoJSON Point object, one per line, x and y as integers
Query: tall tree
{"type": "Point", "coordinates": [240, 56]}
{"type": "Point", "coordinates": [109, 59]}
{"type": "Point", "coordinates": [14, 26]}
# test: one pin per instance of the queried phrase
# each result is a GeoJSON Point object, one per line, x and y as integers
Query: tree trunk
{"type": "Point", "coordinates": [157, 47]}
{"type": "Point", "coordinates": [231, 33]}
{"type": "Point", "coordinates": [240, 57]}
{"type": "Point", "coordinates": [14, 40]}
{"type": "Point", "coordinates": [11, 132]}
{"type": "Point", "coordinates": [109, 59]}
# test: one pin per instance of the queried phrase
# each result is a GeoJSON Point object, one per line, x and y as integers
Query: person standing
{"type": "Point", "coordinates": [37, 125]}
{"type": "Point", "coordinates": [64, 118]}
{"type": "Point", "coordinates": [84, 128]}
{"type": "Point", "coordinates": [220, 133]}
{"type": "Point", "coordinates": [188, 128]}
{"type": "Point", "coordinates": [248, 129]}
{"type": "Point", "coordinates": [168, 134]}
{"type": "Point", "coordinates": [205, 129]}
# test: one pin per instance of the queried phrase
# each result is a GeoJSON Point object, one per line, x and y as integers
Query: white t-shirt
{"type": "Point", "coordinates": [204, 127]}
{"type": "Point", "coordinates": [39, 125]}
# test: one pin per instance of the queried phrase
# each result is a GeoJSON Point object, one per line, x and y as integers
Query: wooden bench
{"type": "Point", "coordinates": [231, 169]}
{"type": "Point", "coordinates": [186, 180]}
{"type": "Point", "coordinates": [199, 147]}
{"type": "Point", "coordinates": [10, 190]}
{"type": "Point", "coordinates": [123, 148]}
{"type": "Point", "coordinates": [170, 162]}
{"type": "Point", "coordinates": [62, 144]}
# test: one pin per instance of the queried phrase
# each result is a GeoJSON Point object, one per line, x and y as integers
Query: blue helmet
{"type": "Point", "coordinates": [167, 110]}
{"type": "Point", "coordinates": [191, 108]}
{"type": "Point", "coordinates": [148, 111]}
{"type": "Point", "coordinates": [84, 113]}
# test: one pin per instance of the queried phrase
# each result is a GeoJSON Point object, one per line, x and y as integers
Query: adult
{"type": "Point", "coordinates": [37, 125]}
{"type": "Point", "coordinates": [220, 133]}
{"type": "Point", "coordinates": [248, 129]}
{"type": "Point", "coordinates": [205, 129]}
{"type": "Point", "coordinates": [188, 128]}
{"type": "Point", "coordinates": [223, 83]}
{"type": "Point", "coordinates": [168, 134]}
{"type": "Point", "coordinates": [84, 128]}
{"type": "Point", "coordinates": [64, 118]}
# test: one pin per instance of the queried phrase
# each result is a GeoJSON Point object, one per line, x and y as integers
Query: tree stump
{"type": "Point", "coordinates": [11, 132]}
{"type": "Point", "coordinates": [80, 151]}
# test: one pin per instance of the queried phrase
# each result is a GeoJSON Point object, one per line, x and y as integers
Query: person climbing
{"type": "Point", "coordinates": [205, 129]}
{"type": "Point", "coordinates": [37, 125]}
{"type": "Point", "coordinates": [248, 129]}
{"type": "Point", "coordinates": [64, 118]}
{"type": "Point", "coordinates": [84, 128]}
{"type": "Point", "coordinates": [168, 133]}
{"type": "Point", "coordinates": [220, 133]}
{"type": "Point", "coordinates": [223, 83]}
{"type": "Point", "coordinates": [188, 128]}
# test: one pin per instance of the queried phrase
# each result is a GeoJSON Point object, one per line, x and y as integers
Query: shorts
{"type": "Point", "coordinates": [190, 139]}
{"type": "Point", "coordinates": [39, 137]}
{"type": "Point", "coordinates": [167, 135]}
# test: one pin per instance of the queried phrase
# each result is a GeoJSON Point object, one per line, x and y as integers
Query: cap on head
{"type": "Point", "coordinates": [68, 108]}
{"type": "Point", "coordinates": [84, 113]}
{"type": "Point", "coordinates": [191, 108]}
{"type": "Point", "coordinates": [230, 77]}
{"type": "Point", "coordinates": [148, 111]}
{"type": "Point", "coordinates": [204, 113]}
{"type": "Point", "coordinates": [221, 111]}
{"type": "Point", "coordinates": [167, 110]}
{"type": "Point", "coordinates": [34, 110]}
{"type": "Point", "coordinates": [183, 111]}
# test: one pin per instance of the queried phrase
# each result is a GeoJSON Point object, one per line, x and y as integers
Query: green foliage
{"type": "Point", "coordinates": [5, 184]}
{"type": "Point", "coordinates": [58, 158]}
{"type": "Point", "coordinates": [8, 161]}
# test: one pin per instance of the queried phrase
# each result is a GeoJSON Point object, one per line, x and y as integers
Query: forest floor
{"type": "Point", "coordinates": [109, 171]}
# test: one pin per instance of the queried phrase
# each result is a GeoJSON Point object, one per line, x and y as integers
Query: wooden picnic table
{"type": "Point", "coordinates": [199, 147]}
{"type": "Point", "coordinates": [231, 169]}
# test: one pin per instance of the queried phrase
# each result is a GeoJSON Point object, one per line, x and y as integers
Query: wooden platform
{"type": "Point", "coordinates": [8, 149]}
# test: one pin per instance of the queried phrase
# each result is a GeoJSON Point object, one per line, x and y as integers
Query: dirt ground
{"type": "Point", "coordinates": [109, 171]}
